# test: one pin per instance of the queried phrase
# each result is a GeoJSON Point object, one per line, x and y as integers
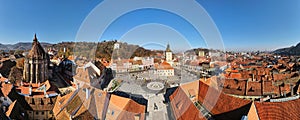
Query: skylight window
{"type": "Point", "coordinates": [112, 112]}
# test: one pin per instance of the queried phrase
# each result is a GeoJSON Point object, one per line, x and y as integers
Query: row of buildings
{"type": "Point", "coordinates": [262, 76]}
{"type": "Point", "coordinates": [202, 100]}
{"type": "Point", "coordinates": [159, 66]}
{"type": "Point", "coordinates": [37, 96]}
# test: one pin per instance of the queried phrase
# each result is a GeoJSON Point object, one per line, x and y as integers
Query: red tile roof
{"type": "Point", "coordinates": [254, 88]}
{"type": "Point", "coordinates": [183, 107]}
{"type": "Point", "coordinates": [224, 103]}
{"type": "Point", "coordinates": [252, 114]}
{"type": "Point", "coordinates": [86, 74]}
{"type": "Point", "coordinates": [269, 88]}
{"type": "Point", "coordinates": [233, 86]}
{"type": "Point", "coordinates": [218, 103]}
{"type": "Point", "coordinates": [62, 102]}
{"type": "Point", "coordinates": [10, 108]}
{"type": "Point", "coordinates": [278, 110]}
{"type": "Point", "coordinates": [235, 75]}
{"type": "Point", "coordinates": [98, 105]}
{"type": "Point", "coordinates": [121, 108]}
{"type": "Point", "coordinates": [37, 89]}
{"type": "Point", "coordinates": [6, 89]}
{"type": "Point", "coordinates": [163, 66]}
{"type": "Point", "coordinates": [281, 76]}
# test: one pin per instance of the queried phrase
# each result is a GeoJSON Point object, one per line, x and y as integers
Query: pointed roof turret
{"type": "Point", "coordinates": [37, 51]}
{"type": "Point", "coordinates": [35, 38]}
{"type": "Point", "coordinates": [168, 48]}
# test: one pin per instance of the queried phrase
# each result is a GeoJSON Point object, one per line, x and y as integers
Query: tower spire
{"type": "Point", "coordinates": [168, 49]}
{"type": "Point", "coordinates": [35, 38]}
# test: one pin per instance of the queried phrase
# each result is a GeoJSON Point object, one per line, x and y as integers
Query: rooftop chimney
{"type": "Point", "coordinates": [30, 90]}
{"type": "Point", "coordinates": [292, 89]}
{"type": "Point", "coordinates": [77, 86]}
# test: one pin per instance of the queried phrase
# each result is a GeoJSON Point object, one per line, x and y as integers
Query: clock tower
{"type": "Point", "coordinates": [168, 54]}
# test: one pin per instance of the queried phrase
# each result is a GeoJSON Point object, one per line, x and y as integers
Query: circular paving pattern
{"type": "Point", "coordinates": [156, 86]}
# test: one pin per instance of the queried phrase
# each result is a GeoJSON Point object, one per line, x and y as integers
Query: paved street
{"type": "Point", "coordinates": [135, 83]}
{"type": "Point", "coordinates": [156, 108]}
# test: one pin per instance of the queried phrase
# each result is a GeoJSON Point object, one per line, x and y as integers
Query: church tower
{"type": "Point", "coordinates": [168, 54]}
{"type": "Point", "coordinates": [36, 64]}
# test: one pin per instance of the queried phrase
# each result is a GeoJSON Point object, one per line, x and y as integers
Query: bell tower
{"type": "Point", "coordinates": [168, 54]}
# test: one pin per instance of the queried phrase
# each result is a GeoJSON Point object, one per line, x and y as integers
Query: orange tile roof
{"type": "Point", "coordinates": [63, 115]}
{"type": "Point", "coordinates": [3, 79]}
{"type": "Point", "coordinates": [48, 103]}
{"type": "Point", "coordinates": [124, 108]}
{"type": "Point", "coordinates": [61, 102]}
{"type": "Point", "coordinates": [86, 115]}
{"type": "Point", "coordinates": [183, 108]}
{"type": "Point", "coordinates": [101, 100]}
{"type": "Point", "coordinates": [164, 66]}
{"type": "Point", "coordinates": [281, 76]}
{"type": "Point", "coordinates": [24, 90]}
{"type": "Point", "coordinates": [34, 85]}
{"type": "Point", "coordinates": [36, 89]}
{"type": "Point", "coordinates": [236, 75]}
{"type": "Point", "coordinates": [86, 74]}
{"type": "Point", "coordinates": [252, 114]}
{"type": "Point", "coordinates": [191, 87]}
{"type": "Point", "coordinates": [224, 106]}
{"type": "Point", "coordinates": [82, 110]}
{"type": "Point", "coordinates": [77, 105]}
{"type": "Point", "coordinates": [74, 103]}
{"type": "Point", "coordinates": [224, 103]}
{"type": "Point", "coordinates": [254, 89]}
{"type": "Point", "coordinates": [10, 108]}
{"type": "Point", "coordinates": [6, 89]}
{"type": "Point", "coordinates": [269, 88]}
{"type": "Point", "coordinates": [232, 86]}
{"type": "Point", "coordinates": [288, 110]}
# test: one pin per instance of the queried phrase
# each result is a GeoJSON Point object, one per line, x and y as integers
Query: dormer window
{"type": "Point", "coordinates": [251, 90]}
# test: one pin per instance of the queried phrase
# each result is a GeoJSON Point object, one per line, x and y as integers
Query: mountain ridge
{"type": "Point", "coordinates": [293, 50]}
{"type": "Point", "coordinates": [20, 46]}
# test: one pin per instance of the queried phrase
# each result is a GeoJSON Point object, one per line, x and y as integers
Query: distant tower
{"type": "Point", "coordinates": [116, 49]}
{"type": "Point", "coordinates": [168, 54]}
{"type": "Point", "coordinates": [201, 53]}
{"type": "Point", "coordinates": [116, 45]}
{"type": "Point", "coordinates": [64, 54]}
{"type": "Point", "coordinates": [36, 63]}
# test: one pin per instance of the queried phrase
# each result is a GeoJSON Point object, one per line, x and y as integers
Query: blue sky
{"type": "Point", "coordinates": [243, 24]}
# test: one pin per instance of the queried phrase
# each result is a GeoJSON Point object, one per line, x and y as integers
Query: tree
{"type": "Point", "coordinates": [20, 63]}
{"type": "Point", "coordinates": [15, 75]}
